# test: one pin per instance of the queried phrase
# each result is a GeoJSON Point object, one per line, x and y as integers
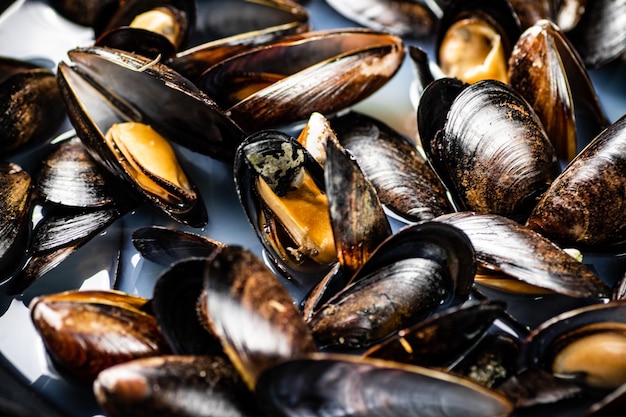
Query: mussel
{"type": "Point", "coordinates": [348, 385]}
{"type": "Point", "coordinates": [15, 204]}
{"type": "Point", "coordinates": [251, 313]}
{"type": "Point", "coordinates": [228, 28]}
{"type": "Point", "coordinates": [404, 181]}
{"type": "Point", "coordinates": [508, 247]}
{"type": "Point", "coordinates": [487, 145]}
{"type": "Point", "coordinates": [547, 71]}
{"type": "Point", "coordinates": [586, 345]}
{"type": "Point", "coordinates": [407, 18]}
{"type": "Point", "coordinates": [475, 39]}
{"type": "Point", "coordinates": [174, 385]}
{"type": "Point", "coordinates": [584, 206]}
{"type": "Point", "coordinates": [31, 108]}
{"type": "Point", "coordinates": [127, 131]}
{"type": "Point", "coordinates": [87, 331]}
{"type": "Point", "coordinates": [285, 81]}
{"type": "Point", "coordinates": [415, 272]}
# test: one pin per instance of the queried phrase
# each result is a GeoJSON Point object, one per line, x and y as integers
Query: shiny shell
{"type": "Point", "coordinates": [368, 387]}
{"type": "Point", "coordinates": [174, 385]}
{"type": "Point", "coordinates": [583, 207]}
{"type": "Point", "coordinates": [85, 332]}
{"type": "Point", "coordinates": [252, 313]}
{"type": "Point", "coordinates": [506, 246]}
{"type": "Point", "coordinates": [497, 160]}
{"type": "Point", "coordinates": [284, 82]}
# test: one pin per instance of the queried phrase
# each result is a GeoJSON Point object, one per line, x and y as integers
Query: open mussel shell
{"type": "Point", "coordinates": [15, 205]}
{"type": "Point", "coordinates": [279, 159]}
{"type": "Point", "coordinates": [252, 313]}
{"type": "Point", "coordinates": [104, 102]}
{"type": "Point", "coordinates": [475, 38]}
{"type": "Point", "coordinates": [174, 386]}
{"type": "Point", "coordinates": [176, 306]}
{"type": "Point", "coordinates": [229, 28]}
{"type": "Point", "coordinates": [31, 108]}
{"type": "Point", "coordinates": [436, 341]}
{"type": "Point", "coordinates": [583, 207]}
{"type": "Point", "coordinates": [525, 255]}
{"type": "Point", "coordinates": [547, 71]}
{"type": "Point", "coordinates": [140, 41]}
{"type": "Point", "coordinates": [415, 272]}
{"type": "Point", "coordinates": [142, 90]}
{"type": "Point", "coordinates": [489, 148]}
{"type": "Point", "coordinates": [403, 180]}
{"type": "Point", "coordinates": [285, 81]}
{"type": "Point", "coordinates": [600, 34]}
{"type": "Point", "coordinates": [368, 387]}
{"type": "Point", "coordinates": [85, 332]}
{"type": "Point", "coordinates": [85, 12]}
{"type": "Point", "coordinates": [586, 345]}
{"type": "Point", "coordinates": [406, 18]}
{"type": "Point", "coordinates": [174, 20]}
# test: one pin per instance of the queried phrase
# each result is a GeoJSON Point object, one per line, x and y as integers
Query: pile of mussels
{"type": "Point", "coordinates": [516, 173]}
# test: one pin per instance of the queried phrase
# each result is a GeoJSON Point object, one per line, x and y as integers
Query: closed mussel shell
{"type": "Point", "coordinates": [584, 206]}
{"type": "Point", "coordinates": [494, 160]}
{"type": "Point", "coordinates": [503, 245]}
{"type": "Point", "coordinates": [31, 108]}
{"type": "Point", "coordinates": [368, 387]}
{"type": "Point", "coordinates": [85, 332]}
{"type": "Point", "coordinates": [15, 203]}
{"type": "Point", "coordinates": [174, 385]}
{"type": "Point", "coordinates": [284, 82]}
{"type": "Point", "coordinates": [547, 71]}
{"type": "Point", "coordinates": [252, 313]}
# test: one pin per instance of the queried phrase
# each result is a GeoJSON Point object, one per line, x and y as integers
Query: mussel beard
{"type": "Point", "coordinates": [151, 162]}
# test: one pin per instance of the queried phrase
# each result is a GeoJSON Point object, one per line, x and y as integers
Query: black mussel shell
{"type": "Point", "coordinates": [15, 203]}
{"type": "Point", "coordinates": [85, 332]}
{"type": "Point", "coordinates": [584, 207]}
{"type": "Point", "coordinates": [228, 28]}
{"type": "Point", "coordinates": [495, 160]}
{"type": "Point", "coordinates": [406, 18]}
{"type": "Point", "coordinates": [415, 272]}
{"type": "Point", "coordinates": [404, 181]}
{"type": "Point", "coordinates": [268, 148]}
{"type": "Point", "coordinates": [350, 386]}
{"type": "Point", "coordinates": [139, 41]}
{"type": "Point", "coordinates": [436, 341]}
{"type": "Point", "coordinates": [70, 177]}
{"type": "Point", "coordinates": [585, 345]}
{"type": "Point", "coordinates": [600, 34]}
{"type": "Point", "coordinates": [356, 216]}
{"type": "Point", "coordinates": [285, 81]}
{"type": "Point", "coordinates": [497, 17]}
{"type": "Point", "coordinates": [176, 304]}
{"type": "Point", "coordinates": [251, 313]}
{"type": "Point", "coordinates": [198, 386]}
{"type": "Point", "coordinates": [547, 71]}
{"type": "Point", "coordinates": [519, 252]}
{"type": "Point", "coordinates": [185, 13]}
{"type": "Point", "coordinates": [85, 12]}
{"type": "Point", "coordinates": [31, 107]}
{"type": "Point", "coordinates": [166, 246]}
